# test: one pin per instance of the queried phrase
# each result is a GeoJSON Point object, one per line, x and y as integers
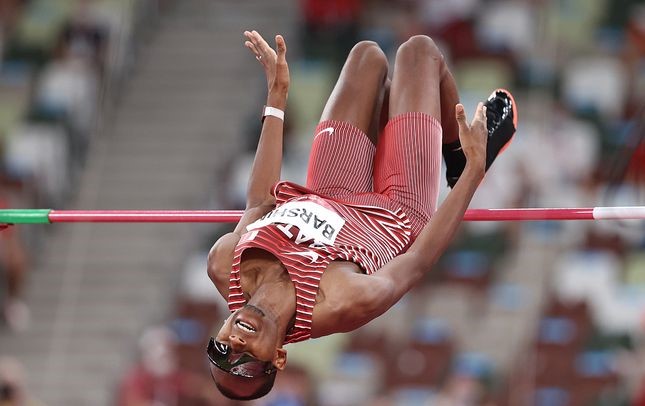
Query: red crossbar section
{"type": "Point", "coordinates": [144, 216]}
{"type": "Point", "coordinates": [231, 216]}
{"type": "Point", "coordinates": [528, 214]}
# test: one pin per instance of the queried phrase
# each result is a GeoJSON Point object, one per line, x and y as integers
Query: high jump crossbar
{"type": "Point", "coordinates": [47, 216]}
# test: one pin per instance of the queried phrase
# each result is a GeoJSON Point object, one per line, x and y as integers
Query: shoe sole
{"type": "Point", "coordinates": [515, 116]}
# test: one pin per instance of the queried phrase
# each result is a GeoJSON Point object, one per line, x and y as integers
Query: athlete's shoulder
{"type": "Point", "coordinates": [220, 261]}
{"type": "Point", "coordinates": [224, 247]}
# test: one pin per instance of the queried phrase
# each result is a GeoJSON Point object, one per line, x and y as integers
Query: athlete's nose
{"type": "Point", "coordinates": [236, 342]}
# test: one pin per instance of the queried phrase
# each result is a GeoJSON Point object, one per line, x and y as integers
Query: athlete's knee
{"type": "Point", "coordinates": [420, 47]}
{"type": "Point", "coordinates": [368, 53]}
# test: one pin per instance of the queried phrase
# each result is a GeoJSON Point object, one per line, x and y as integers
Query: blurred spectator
{"type": "Point", "coordinates": [636, 29]}
{"type": "Point", "coordinates": [67, 90]}
{"type": "Point", "coordinates": [465, 385]}
{"type": "Point", "coordinates": [50, 141]}
{"type": "Point", "coordinates": [293, 387]}
{"type": "Point", "coordinates": [158, 380]}
{"type": "Point", "coordinates": [460, 390]}
{"type": "Point", "coordinates": [13, 387]}
{"type": "Point", "coordinates": [330, 29]}
{"type": "Point", "coordinates": [354, 379]}
{"type": "Point", "coordinates": [40, 151]}
{"type": "Point", "coordinates": [640, 397]}
{"type": "Point", "coordinates": [9, 13]}
{"type": "Point", "coordinates": [67, 93]}
{"type": "Point", "coordinates": [13, 264]}
{"type": "Point", "coordinates": [85, 36]}
{"type": "Point", "coordinates": [453, 23]}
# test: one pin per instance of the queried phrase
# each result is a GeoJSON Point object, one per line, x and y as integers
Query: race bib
{"type": "Point", "coordinates": [313, 221]}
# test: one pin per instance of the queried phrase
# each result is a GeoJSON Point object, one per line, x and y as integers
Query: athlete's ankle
{"type": "Point", "coordinates": [455, 160]}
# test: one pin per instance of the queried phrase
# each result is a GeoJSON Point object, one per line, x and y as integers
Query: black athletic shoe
{"type": "Point", "coordinates": [501, 121]}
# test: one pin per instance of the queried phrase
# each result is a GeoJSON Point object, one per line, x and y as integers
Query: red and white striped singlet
{"type": "Point", "coordinates": [307, 231]}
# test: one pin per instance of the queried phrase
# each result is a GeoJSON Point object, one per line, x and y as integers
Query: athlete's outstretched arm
{"type": "Point", "coordinates": [402, 273]}
{"type": "Point", "coordinates": [268, 156]}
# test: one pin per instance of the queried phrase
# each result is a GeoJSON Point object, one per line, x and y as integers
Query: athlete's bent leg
{"type": "Point", "coordinates": [408, 161]}
{"type": "Point", "coordinates": [359, 89]}
{"type": "Point", "coordinates": [422, 82]}
{"type": "Point", "coordinates": [342, 154]}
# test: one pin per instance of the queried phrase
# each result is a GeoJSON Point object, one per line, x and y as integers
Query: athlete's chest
{"type": "Point", "coordinates": [327, 290]}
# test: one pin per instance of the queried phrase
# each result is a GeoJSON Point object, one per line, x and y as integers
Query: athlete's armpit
{"type": "Point", "coordinates": [354, 300]}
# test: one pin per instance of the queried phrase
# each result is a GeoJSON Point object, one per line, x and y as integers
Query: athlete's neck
{"type": "Point", "coordinates": [259, 267]}
{"type": "Point", "coordinates": [277, 299]}
{"type": "Point", "coordinates": [267, 285]}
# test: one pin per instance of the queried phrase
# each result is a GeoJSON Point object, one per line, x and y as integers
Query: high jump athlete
{"type": "Point", "coordinates": [328, 257]}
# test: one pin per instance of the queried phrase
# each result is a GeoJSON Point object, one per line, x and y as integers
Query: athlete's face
{"type": "Point", "coordinates": [248, 330]}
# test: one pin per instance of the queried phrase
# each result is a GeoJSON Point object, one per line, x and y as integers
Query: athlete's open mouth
{"type": "Point", "coordinates": [245, 326]}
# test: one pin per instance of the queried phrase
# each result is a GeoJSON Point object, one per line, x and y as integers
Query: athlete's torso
{"type": "Point", "coordinates": [315, 237]}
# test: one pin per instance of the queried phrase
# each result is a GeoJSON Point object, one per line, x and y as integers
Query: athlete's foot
{"type": "Point", "coordinates": [501, 121]}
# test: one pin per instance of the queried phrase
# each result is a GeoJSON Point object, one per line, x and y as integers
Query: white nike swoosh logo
{"type": "Point", "coordinates": [312, 256]}
{"type": "Point", "coordinates": [329, 130]}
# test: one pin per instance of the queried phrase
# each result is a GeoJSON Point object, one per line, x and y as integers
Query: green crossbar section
{"type": "Point", "coordinates": [24, 216]}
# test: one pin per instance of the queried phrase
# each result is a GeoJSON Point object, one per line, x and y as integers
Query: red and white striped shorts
{"type": "Point", "coordinates": [402, 171]}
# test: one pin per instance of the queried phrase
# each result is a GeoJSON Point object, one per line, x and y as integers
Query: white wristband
{"type": "Point", "coordinates": [272, 111]}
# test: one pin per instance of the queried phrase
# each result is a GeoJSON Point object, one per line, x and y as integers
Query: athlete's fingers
{"type": "Point", "coordinates": [479, 112]}
{"type": "Point", "coordinates": [257, 55]}
{"type": "Point", "coordinates": [262, 51]}
{"type": "Point", "coordinates": [460, 114]}
{"type": "Point", "coordinates": [255, 39]}
{"type": "Point", "coordinates": [479, 120]}
{"type": "Point", "coordinates": [251, 47]}
{"type": "Point", "coordinates": [248, 35]}
{"type": "Point", "coordinates": [250, 44]}
{"type": "Point", "coordinates": [259, 42]}
{"type": "Point", "coordinates": [281, 48]}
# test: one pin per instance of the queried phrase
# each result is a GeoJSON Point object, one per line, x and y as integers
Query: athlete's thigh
{"type": "Point", "coordinates": [407, 166]}
{"type": "Point", "coordinates": [359, 89]}
{"type": "Point", "coordinates": [341, 160]}
{"type": "Point", "coordinates": [408, 158]}
{"type": "Point", "coordinates": [416, 78]}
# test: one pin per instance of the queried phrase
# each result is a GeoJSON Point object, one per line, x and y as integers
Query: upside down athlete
{"type": "Point", "coordinates": [306, 262]}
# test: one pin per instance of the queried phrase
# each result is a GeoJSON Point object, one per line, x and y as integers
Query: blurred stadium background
{"type": "Point", "coordinates": [151, 104]}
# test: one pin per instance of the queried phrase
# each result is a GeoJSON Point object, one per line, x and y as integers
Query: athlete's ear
{"type": "Point", "coordinates": [280, 358]}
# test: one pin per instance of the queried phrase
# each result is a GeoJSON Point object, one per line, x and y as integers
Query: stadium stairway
{"type": "Point", "coordinates": [513, 304]}
{"type": "Point", "coordinates": [96, 287]}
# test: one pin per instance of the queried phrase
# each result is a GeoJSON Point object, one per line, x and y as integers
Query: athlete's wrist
{"type": "Point", "coordinates": [474, 172]}
{"type": "Point", "coordinates": [277, 100]}
{"type": "Point", "coordinates": [273, 112]}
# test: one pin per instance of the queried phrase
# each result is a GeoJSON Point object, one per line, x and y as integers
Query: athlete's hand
{"type": "Point", "coordinates": [473, 137]}
{"type": "Point", "coordinates": [273, 61]}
